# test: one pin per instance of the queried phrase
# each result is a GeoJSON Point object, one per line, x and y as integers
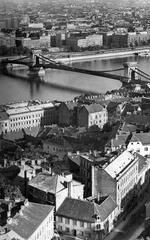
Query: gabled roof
{"type": "Point", "coordinates": [93, 108]}
{"type": "Point", "coordinates": [84, 210]}
{"type": "Point", "coordinates": [138, 119]}
{"type": "Point", "coordinates": [144, 138]}
{"type": "Point", "coordinates": [112, 106]}
{"type": "Point", "coordinates": [119, 164]}
{"type": "Point", "coordinates": [120, 140]}
{"type": "Point", "coordinates": [48, 183]}
{"type": "Point", "coordinates": [32, 216]}
{"type": "Point", "coordinates": [143, 161]}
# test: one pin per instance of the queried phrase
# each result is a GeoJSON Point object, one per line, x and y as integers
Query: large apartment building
{"type": "Point", "coordinates": [19, 116]}
{"type": "Point", "coordinates": [115, 175]}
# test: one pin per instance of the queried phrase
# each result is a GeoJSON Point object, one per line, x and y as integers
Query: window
{"type": "Point", "coordinates": [81, 224]}
{"type": "Point", "coordinates": [138, 150]}
{"type": "Point", "coordinates": [98, 226]}
{"type": "Point", "coordinates": [67, 221]}
{"type": "Point", "coordinates": [88, 225]}
{"type": "Point", "coordinates": [60, 219]}
{"type": "Point", "coordinates": [74, 222]}
{"type": "Point", "coordinates": [67, 230]}
{"type": "Point", "coordinates": [146, 149]}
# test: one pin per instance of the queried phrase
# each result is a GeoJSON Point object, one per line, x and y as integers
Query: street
{"type": "Point", "coordinates": [133, 228]}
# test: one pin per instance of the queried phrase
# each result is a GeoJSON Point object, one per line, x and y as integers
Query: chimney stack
{"type": "Point", "coordinates": [70, 189]}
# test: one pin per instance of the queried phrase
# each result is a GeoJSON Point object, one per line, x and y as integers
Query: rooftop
{"type": "Point", "coordinates": [86, 211]}
{"type": "Point", "coordinates": [116, 166]}
{"type": "Point", "coordinates": [32, 215]}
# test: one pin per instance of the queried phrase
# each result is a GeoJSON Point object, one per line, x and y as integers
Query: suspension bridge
{"type": "Point", "coordinates": [38, 62]}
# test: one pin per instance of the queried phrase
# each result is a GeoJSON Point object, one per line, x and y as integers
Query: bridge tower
{"type": "Point", "coordinates": [34, 56]}
{"type": "Point", "coordinates": [130, 70]}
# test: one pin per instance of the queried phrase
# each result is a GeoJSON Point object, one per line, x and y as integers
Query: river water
{"type": "Point", "coordinates": [62, 85]}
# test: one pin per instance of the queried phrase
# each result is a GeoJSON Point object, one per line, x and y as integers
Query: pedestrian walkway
{"type": "Point", "coordinates": [123, 223]}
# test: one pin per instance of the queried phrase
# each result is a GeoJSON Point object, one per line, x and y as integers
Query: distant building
{"type": "Point", "coordinates": [93, 114]}
{"type": "Point", "coordinates": [14, 22]}
{"type": "Point", "coordinates": [86, 220]}
{"type": "Point", "coordinates": [68, 113]}
{"type": "Point", "coordinates": [91, 40]}
{"type": "Point", "coordinates": [24, 117]}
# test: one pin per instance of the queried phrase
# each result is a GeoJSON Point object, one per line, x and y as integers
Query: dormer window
{"type": "Point", "coordinates": [97, 217]}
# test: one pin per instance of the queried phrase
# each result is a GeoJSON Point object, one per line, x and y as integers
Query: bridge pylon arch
{"type": "Point", "coordinates": [130, 70]}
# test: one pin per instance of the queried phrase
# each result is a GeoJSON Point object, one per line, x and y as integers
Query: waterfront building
{"type": "Point", "coordinates": [68, 113]}
{"type": "Point", "coordinates": [50, 188]}
{"type": "Point", "coordinates": [14, 22]}
{"type": "Point", "coordinates": [24, 117]}
{"type": "Point", "coordinates": [85, 219]}
{"type": "Point", "coordinates": [93, 114]}
{"type": "Point", "coordinates": [119, 40]}
{"type": "Point", "coordinates": [33, 221]}
{"type": "Point", "coordinates": [51, 114]}
{"type": "Point", "coordinates": [91, 40]}
{"type": "Point", "coordinates": [4, 122]}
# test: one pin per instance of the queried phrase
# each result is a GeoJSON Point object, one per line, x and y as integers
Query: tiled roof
{"type": "Point", "coordinates": [70, 105]}
{"type": "Point", "coordinates": [32, 216]}
{"type": "Point", "coordinates": [48, 183]}
{"type": "Point", "coordinates": [120, 140]}
{"type": "Point", "coordinates": [143, 161]}
{"type": "Point", "coordinates": [138, 119]}
{"type": "Point", "coordinates": [93, 108]}
{"type": "Point", "coordinates": [144, 138]}
{"type": "Point", "coordinates": [84, 210]}
{"type": "Point", "coordinates": [128, 128]}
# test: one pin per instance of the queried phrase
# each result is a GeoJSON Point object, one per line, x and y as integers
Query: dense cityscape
{"type": "Point", "coordinates": [77, 168]}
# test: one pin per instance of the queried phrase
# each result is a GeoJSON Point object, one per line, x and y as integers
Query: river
{"type": "Point", "coordinates": [62, 85]}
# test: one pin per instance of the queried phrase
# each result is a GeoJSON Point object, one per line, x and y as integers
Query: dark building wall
{"type": "Point", "coordinates": [102, 183]}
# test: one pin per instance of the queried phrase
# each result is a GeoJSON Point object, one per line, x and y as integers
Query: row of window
{"type": "Point", "coordinates": [75, 223]}
{"type": "Point", "coordinates": [128, 187]}
{"type": "Point", "coordinates": [25, 117]}
{"type": "Point", "coordinates": [68, 230]}
{"type": "Point", "coordinates": [43, 227]}
{"type": "Point", "coordinates": [14, 125]}
{"type": "Point", "coordinates": [128, 176]}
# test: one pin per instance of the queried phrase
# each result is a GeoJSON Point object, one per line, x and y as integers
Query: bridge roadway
{"type": "Point", "coordinates": [57, 65]}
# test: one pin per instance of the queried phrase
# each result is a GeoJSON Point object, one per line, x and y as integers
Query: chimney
{"type": "Point", "coordinates": [70, 189]}
{"type": "Point", "coordinates": [9, 209]}
{"type": "Point", "coordinates": [26, 202]}
{"type": "Point", "coordinates": [33, 162]}
{"type": "Point", "coordinates": [22, 162]}
{"type": "Point", "coordinates": [5, 163]}
{"type": "Point", "coordinates": [9, 220]}
{"type": "Point", "coordinates": [98, 197]}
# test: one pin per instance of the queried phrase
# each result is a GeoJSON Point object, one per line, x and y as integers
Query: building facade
{"type": "Point", "coordinates": [93, 114]}
{"type": "Point", "coordinates": [85, 219]}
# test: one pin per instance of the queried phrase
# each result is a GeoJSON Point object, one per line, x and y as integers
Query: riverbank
{"type": "Point", "coordinates": [76, 57]}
